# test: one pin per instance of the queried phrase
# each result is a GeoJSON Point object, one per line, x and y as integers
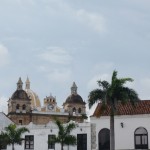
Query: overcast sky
{"type": "Point", "coordinates": [56, 42]}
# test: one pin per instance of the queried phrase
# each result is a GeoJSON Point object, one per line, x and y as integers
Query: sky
{"type": "Point", "coordinates": [57, 42]}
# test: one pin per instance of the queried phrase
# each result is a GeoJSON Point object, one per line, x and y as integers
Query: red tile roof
{"type": "Point", "coordinates": [141, 107]}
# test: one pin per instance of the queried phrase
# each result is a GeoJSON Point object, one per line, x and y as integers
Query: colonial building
{"type": "Point", "coordinates": [24, 106]}
{"type": "Point", "coordinates": [132, 126]}
{"type": "Point", "coordinates": [37, 138]}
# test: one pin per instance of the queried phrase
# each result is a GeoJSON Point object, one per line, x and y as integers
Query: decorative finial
{"type": "Point", "coordinates": [27, 83]}
{"type": "Point", "coordinates": [19, 84]}
{"type": "Point", "coordinates": [74, 88]}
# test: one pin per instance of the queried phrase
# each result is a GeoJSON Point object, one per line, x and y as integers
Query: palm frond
{"type": "Point", "coordinates": [70, 140]}
{"type": "Point", "coordinates": [95, 96]}
{"type": "Point", "coordinates": [13, 134]}
{"type": "Point", "coordinates": [64, 134]}
{"type": "Point", "coordinates": [104, 84]}
{"type": "Point", "coordinates": [70, 127]}
{"type": "Point", "coordinates": [114, 76]}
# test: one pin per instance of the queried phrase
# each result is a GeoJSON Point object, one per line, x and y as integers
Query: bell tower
{"type": "Point", "coordinates": [19, 105]}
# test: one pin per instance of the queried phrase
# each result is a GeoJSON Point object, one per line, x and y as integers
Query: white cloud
{"type": "Point", "coordinates": [3, 104]}
{"type": "Point", "coordinates": [56, 55]}
{"type": "Point", "coordinates": [143, 88]}
{"type": "Point", "coordinates": [145, 82]}
{"type": "Point", "coordinates": [103, 67]}
{"type": "Point", "coordinates": [92, 84]}
{"type": "Point", "coordinates": [96, 21]}
{"type": "Point", "coordinates": [59, 76]}
{"type": "Point", "coordinates": [4, 59]}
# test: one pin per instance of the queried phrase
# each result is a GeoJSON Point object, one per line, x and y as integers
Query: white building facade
{"type": "Point", "coordinates": [132, 127]}
{"type": "Point", "coordinates": [37, 138]}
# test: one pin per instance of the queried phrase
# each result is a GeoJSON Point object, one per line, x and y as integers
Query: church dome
{"type": "Point", "coordinates": [35, 101]}
{"type": "Point", "coordinates": [74, 97]}
{"type": "Point", "coordinates": [20, 94]}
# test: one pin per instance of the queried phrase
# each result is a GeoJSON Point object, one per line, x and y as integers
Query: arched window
{"type": "Point", "coordinates": [17, 106]}
{"type": "Point", "coordinates": [74, 109]}
{"type": "Point", "coordinates": [79, 110]}
{"type": "Point", "coordinates": [141, 138]}
{"type": "Point", "coordinates": [24, 107]}
{"type": "Point", "coordinates": [104, 139]}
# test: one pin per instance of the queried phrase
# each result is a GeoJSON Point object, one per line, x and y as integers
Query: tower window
{"type": "Point", "coordinates": [79, 110]}
{"type": "Point", "coordinates": [23, 107]}
{"type": "Point", "coordinates": [20, 122]}
{"type": "Point", "coordinates": [74, 109]}
{"type": "Point", "coordinates": [17, 106]}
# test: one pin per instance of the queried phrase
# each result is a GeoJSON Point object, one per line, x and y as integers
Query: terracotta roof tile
{"type": "Point", "coordinates": [141, 107]}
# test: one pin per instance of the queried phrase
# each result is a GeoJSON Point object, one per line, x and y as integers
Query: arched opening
{"type": "Point", "coordinates": [74, 109]}
{"type": "Point", "coordinates": [141, 138]}
{"type": "Point", "coordinates": [79, 110]}
{"type": "Point", "coordinates": [17, 107]}
{"type": "Point", "coordinates": [24, 107]}
{"type": "Point", "coordinates": [104, 139]}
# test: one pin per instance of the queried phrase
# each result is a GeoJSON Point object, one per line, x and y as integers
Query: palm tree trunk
{"type": "Point", "coordinates": [62, 146]}
{"type": "Point", "coordinates": [13, 147]}
{"type": "Point", "coordinates": [112, 132]}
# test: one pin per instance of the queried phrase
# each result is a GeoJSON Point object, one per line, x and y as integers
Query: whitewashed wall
{"type": "Point", "coordinates": [124, 137]}
{"type": "Point", "coordinates": [41, 136]}
{"type": "Point", "coordinates": [4, 121]}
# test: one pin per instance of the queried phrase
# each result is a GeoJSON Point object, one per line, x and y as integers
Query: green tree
{"type": "Point", "coordinates": [109, 94]}
{"type": "Point", "coordinates": [12, 135]}
{"type": "Point", "coordinates": [64, 137]}
{"type": "Point", "coordinates": [3, 140]}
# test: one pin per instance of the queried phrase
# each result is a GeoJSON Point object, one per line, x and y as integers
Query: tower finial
{"type": "Point", "coordinates": [74, 88]}
{"type": "Point", "coordinates": [19, 84]}
{"type": "Point", "coordinates": [27, 83]}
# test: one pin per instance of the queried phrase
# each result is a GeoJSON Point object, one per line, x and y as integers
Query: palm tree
{"type": "Point", "coordinates": [64, 137]}
{"type": "Point", "coordinates": [109, 94]}
{"type": "Point", "coordinates": [3, 140]}
{"type": "Point", "coordinates": [13, 135]}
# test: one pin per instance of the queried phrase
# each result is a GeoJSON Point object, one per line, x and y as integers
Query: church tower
{"type": "Point", "coordinates": [74, 103]}
{"type": "Point", "coordinates": [35, 101]}
{"type": "Point", "coordinates": [19, 105]}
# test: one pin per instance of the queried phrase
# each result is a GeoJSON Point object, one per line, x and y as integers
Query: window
{"type": "Point", "coordinates": [20, 122]}
{"type": "Point", "coordinates": [23, 107]}
{"type": "Point", "coordinates": [81, 141]}
{"type": "Point", "coordinates": [79, 110]}
{"type": "Point", "coordinates": [51, 145]}
{"type": "Point", "coordinates": [141, 138]}
{"type": "Point", "coordinates": [29, 142]}
{"type": "Point", "coordinates": [17, 106]}
{"type": "Point", "coordinates": [74, 109]}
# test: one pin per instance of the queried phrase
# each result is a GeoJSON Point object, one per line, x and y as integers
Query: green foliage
{"type": "Point", "coordinates": [84, 116]}
{"type": "Point", "coordinates": [64, 137]}
{"type": "Point", "coordinates": [3, 140]}
{"type": "Point", "coordinates": [111, 93]}
{"type": "Point", "coordinates": [12, 134]}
